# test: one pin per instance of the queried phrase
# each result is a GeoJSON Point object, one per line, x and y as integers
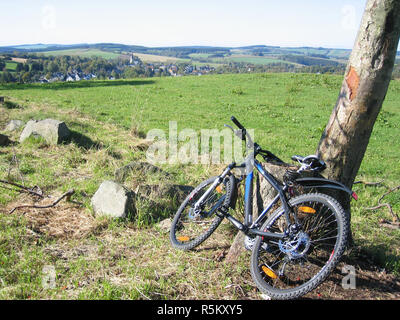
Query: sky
{"type": "Point", "coordinates": [290, 23]}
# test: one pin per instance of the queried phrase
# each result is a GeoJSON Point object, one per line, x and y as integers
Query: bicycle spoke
{"type": "Point", "coordinates": [298, 259]}
{"type": "Point", "coordinates": [194, 222]}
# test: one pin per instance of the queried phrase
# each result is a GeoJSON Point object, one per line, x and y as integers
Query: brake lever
{"type": "Point", "coordinates": [228, 126]}
{"type": "Point", "coordinates": [239, 133]}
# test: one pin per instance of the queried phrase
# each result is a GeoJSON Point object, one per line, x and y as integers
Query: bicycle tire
{"type": "Point", "coordinates": [263, 274]}
{"type": "Point", "coordinates": [191, 243]}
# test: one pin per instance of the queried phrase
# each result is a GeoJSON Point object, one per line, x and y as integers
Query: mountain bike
{"type": "Point", "coordinates": [296, 241]}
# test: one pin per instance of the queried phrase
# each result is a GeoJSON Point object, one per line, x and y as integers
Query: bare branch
{"type": "Point", "coordinates": [369, 183]}
{"type": "Point", "coordinates": [67, 195]}
{"type": "Point", "coordinates": [24, 189]}
{"type": "Point", "coordinates": [390, 191]}
{"type": "Point", "coordinates": [387, 205]}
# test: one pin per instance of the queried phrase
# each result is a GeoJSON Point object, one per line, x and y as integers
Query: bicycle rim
{"type": "Point", "coordinates": [290, 268]}
{"type": "Point", "coordinates": [190, 228]}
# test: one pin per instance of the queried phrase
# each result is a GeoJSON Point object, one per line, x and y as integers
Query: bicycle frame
{"type": "Point", "coordinates": [252, 228]}
{"type": "Point", "coordinates": [249, 227]}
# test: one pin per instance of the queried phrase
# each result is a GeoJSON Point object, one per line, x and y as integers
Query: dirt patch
{"type": "Point", "coordinates": [19, 60]}
{"type": "Point", "coordinates": [370, 284]}
{"type": "Point", "coordinates": [66, 220]}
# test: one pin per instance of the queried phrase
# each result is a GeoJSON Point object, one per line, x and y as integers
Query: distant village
{"type": "Point", "coordinates": [148, 69]}
{"type": "Point", "coordinates": [69, 77]}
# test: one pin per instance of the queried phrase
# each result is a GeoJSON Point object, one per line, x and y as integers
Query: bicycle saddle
{"type": "Point", "coordinates": [312, 162]}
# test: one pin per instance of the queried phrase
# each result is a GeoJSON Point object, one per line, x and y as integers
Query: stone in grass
{"type": "Point", "coordinates": [3, 140]}
{"type": "Point", "coordinates": [114, 200]}
{"type": "Point", "coordinates": [165, 225]}
{"type": "Point", "coordinates": [52, 131]}
{"type": "Point", "coordinates": [14, 125]}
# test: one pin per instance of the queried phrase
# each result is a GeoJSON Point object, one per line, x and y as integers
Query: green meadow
{"type": "Point", "coordinates": [110, 119]}
{"type": "Point", "coordinates": [11, 66]}
{"type": "Point", "coordinates": [83, 53]}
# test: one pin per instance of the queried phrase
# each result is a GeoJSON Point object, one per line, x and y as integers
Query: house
{"type": "Point", "coordinates": [58, 76]}
{"type": "Point", "coordinates": [189, 69]}
{"type": "Point", "coordinates": [133, 60]}
{"type": "Point", "coordinates": [173, 70]}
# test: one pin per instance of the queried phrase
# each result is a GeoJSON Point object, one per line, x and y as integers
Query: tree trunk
{"type": "Point", "coordinates": [368, 73]}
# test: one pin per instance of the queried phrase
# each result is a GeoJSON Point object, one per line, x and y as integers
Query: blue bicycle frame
{"type": "Point", "coordinates": [249, 227]}
{"type": "Point", "coordinates": [252, 228]}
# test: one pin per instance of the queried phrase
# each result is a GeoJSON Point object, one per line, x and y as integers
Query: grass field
{"type": "Point", "coordinates": [83, 53]}
{"type": "Point", "coordinates": [152, 58]}
{"type": "Point", "coordinates": [200, 55]}
{"type": "Point", "coordinates": [11, 66]}
{"type": "Point", "coordinates": [264, 60]}
{"type": "Point", "coordinates": [101, 259]}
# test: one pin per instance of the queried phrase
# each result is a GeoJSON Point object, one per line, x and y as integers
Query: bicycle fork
{"type": "Point", "coordinates": [220, 178]}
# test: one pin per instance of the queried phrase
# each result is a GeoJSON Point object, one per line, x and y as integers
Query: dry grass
{"type": "Point", "coordinates": [66, 220]}
{"type": "Point", "coordinates": [19, 60]}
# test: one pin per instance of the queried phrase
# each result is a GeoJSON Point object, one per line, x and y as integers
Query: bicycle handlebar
{"type": "Point", "coordinates": [238, 124]}
{"type": "Point", "coordinates": [267, 155]}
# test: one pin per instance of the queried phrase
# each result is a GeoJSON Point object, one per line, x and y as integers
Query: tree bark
{"type": "Point", "coordinates": [368, 73]}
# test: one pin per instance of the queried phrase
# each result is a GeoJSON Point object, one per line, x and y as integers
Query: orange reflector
{"type": "Point", "coordinates": [307, 210]}
{"type": "Point", "coordinates": [219, 188]}
{"type": "Point", "coordinates": [269, 272]}
{"type": "Point", "coordinates": [183, 238]}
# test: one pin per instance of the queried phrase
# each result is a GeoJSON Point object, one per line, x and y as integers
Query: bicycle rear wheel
{"type": "Point", "coordinates": [189, 228]}
{"type": "Point", "coordinates": [292, 267]}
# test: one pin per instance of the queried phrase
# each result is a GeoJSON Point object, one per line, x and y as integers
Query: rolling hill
{"type": "Point", "coordinates": [258, 54]}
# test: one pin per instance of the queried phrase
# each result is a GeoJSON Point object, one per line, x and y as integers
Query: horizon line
{"type": "Point", "coordinates": [170, 46]}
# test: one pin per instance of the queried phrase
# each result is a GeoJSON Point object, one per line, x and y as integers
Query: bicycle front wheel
{"type": "Point", "coordinates": [292, 267]}
{"type": "Point", "coordinates": [190, 228]}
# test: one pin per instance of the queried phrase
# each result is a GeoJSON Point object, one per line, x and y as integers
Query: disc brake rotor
{"type": "Point", "coordinates": [296, 248]}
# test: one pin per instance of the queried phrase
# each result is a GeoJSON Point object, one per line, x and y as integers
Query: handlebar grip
{"type": "Point", "coordinates": [235, 121]}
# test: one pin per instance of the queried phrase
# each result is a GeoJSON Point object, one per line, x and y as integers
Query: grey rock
{"type": "Point", "coordinates": [28, 130]}
{"type": "Point", "coordinates": [14, 125]}
{"type": "Point", "coordinates": [165, 225]}
{"type": "Point", "coordinates": [114, 200]}
{"type": "Point", "coordinates": [4, 140]}
{"type": "Point", "coordinates": [53, 131]}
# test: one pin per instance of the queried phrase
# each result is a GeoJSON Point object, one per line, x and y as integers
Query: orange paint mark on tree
{"type": "Point", "coordinates": [353, 81]}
